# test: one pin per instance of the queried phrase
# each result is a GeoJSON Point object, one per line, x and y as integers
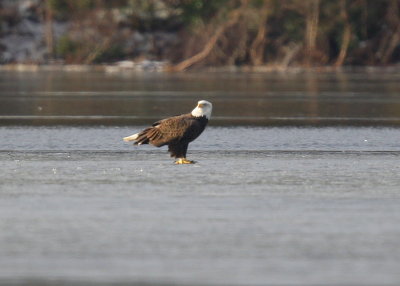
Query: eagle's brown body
{"type": "Point", "coordinates": [176, 132]}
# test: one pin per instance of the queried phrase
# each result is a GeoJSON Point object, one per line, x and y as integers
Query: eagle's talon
{"type": "Point", "coordinates": [184, 161]}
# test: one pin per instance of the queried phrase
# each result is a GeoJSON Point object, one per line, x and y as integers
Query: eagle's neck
{"type": "Point", "coordinates": [202, 119]}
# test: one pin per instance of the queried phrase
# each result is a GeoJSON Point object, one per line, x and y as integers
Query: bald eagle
{"type": "Point", "coordinates": [176, 132]}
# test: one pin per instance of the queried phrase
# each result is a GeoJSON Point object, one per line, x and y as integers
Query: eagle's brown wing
{"type": "Point", "coordinates": [170, 130]}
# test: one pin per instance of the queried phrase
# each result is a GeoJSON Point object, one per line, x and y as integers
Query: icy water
{"type": "Point", "coordinates": [263, 206]}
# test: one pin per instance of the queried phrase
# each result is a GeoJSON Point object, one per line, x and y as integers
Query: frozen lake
{"type": "Point", "coordinates": [263, 206]}
{"type": "Point", "coordinates": [309, 197]}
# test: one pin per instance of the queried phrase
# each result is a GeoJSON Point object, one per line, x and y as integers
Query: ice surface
{"type": "Point", "coordinates": [263, 206]}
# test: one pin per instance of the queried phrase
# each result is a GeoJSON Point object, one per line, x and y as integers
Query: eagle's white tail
{"type": "Point", "coordinates": [131, 138]}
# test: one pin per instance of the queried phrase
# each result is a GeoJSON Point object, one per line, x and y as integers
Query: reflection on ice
{"type": "Point", "coordinates": [264, 99]}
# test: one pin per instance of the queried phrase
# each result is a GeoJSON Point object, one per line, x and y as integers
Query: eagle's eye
{"type": "Point", "coordinates": [200, 105]}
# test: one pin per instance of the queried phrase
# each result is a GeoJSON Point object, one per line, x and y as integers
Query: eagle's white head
{"type": "Point", "coordinates": [203, 108]}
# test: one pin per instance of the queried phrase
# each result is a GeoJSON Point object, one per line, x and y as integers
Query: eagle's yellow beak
{"type": "Point", "coordinates": [200, 105]}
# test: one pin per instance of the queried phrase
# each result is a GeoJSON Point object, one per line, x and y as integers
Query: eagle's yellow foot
{"type": "Point", "coordinates": [184, 161]}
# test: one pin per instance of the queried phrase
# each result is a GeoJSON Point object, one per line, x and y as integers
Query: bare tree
{"type": "Point", "coordinates": [49, 36]}
{"type": "Point", "coordinates": [258, 45]}
{"type": "Point", "coordinates": [346, 34]}
{"type": "Point", "coordinates": [312, 19]}
{"type": "Point", "coordinates": [394, 23]}
{"type": "Point", "coordinates": [233, 18]}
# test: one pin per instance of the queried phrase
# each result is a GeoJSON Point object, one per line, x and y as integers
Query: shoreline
{"type": "Point", "coordinates": [163, 67]}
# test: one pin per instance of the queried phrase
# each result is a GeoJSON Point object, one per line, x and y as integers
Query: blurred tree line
{"type": "Point", "coordinates": [227, 32]}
